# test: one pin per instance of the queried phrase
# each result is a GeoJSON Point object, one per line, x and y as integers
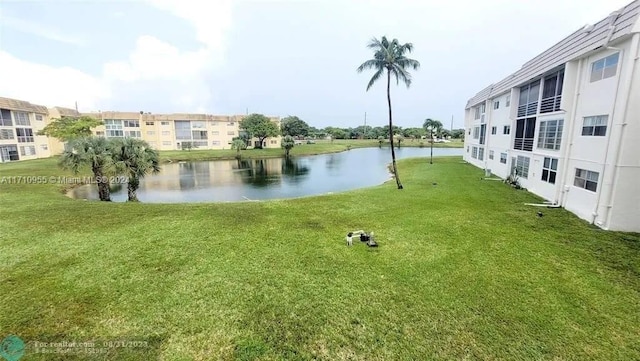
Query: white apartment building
{"type": "Point", "coordinates": [568, 123]}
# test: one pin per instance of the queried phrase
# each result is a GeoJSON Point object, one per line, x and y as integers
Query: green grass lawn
{"type": "Point", "coordinates": [464, 271]}
{"type": "Point", "coordinates": [320, 147]}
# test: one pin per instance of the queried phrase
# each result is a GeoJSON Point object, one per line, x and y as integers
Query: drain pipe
{"type": "Point", "coordinates": [627, 93]}
{"type": "Point", "coordinates": [567, 154]}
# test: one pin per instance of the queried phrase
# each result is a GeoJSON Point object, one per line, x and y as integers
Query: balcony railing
{"type": "Point", "coordinates": [523, 144]}
{"type": "Point", "coordinates": [527, 109]}
{"type": "Point", "coordinates": [551, 104]}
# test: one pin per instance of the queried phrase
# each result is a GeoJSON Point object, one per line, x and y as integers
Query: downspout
{"type": "Point", "coordinates": [626, 95]}
{"type": "Point", "coordinates": [486, 129]}
{"type": "Point", "coordinates": [567, 153]}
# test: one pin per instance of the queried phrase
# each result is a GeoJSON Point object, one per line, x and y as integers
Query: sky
{"type": "Point", "coordinates": [278, 58]}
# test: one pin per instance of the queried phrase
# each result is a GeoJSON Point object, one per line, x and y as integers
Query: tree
{"type": "Point", "coordinates": [287, 143]}
{"type": "Point", "coordinates": [294, 126]}
{"type": "Point", "coordinates": [259, 126]}
{"type": "Point", "coordinates": [445, 133]}
{"type": "Point", "coordinates": [135, 159]}
{"type": "Point", "coordinates": [432, 127]}
{"type": "Point", "coordinates": [380, 141]}
{"type": "Point", "coordinates": [390, 56]}
{"type": "Point", "coordinates": [238, 144]}
{"type": "Point", "coordinates": [457, 134]}
{"type": "Point", "coordinates": [399, 139]}
{"type": "Point", "coordinates": [187, 145]}
{"type": "Point", "coordinates": [94, 152]}
{"type": "Point", "coordinates": [69, 128]}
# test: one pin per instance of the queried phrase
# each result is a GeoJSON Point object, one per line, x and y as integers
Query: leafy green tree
{"type": "Point", "coordinates": [96, 153]}
{"type": "Point", "coordinates": [432, 127]}
{"type": "Point", "coordinates": [336, 133]}
{"type": "Point", "coordinates": [390, 56]}
{"type": "Point", "coordinates": [413, 133]}
{"type": "Point", "coordinates": [238, 144]}
{"type": "Point", "coordinates": [135, 159]}
{"type": "Point", "coordinates": [445, 133]}
{"type": "Point", "coordinates": [259, 126]}
{"type": "Point", "coordinates": [287, 143]}
{"type": "Point", "coordinates": [294, 126]}
{"type": "Point", "coordinates": [69, 128]}
{"type": "Point", "coordinates": [380, 141]}
{"type": "Point", "coordinates": [457, 134]}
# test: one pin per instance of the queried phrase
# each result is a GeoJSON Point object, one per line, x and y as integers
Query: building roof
{"type": "Point", "coordinates": [21, 105]}
{"type": "Point", "coordinates": [67, 112]}
{"type": "Point", "coordinates": [616, 26]}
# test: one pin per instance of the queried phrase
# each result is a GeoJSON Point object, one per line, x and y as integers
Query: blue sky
{"type": "Point", "coordinates": [273, 57]}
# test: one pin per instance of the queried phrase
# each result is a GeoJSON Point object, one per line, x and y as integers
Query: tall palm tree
{"type": "Point", "coordinates": [432, 127]}
{"type": "Point", "coordinates": [94, 152]}
{"type": "Point", "coordinates": [390, 56]}
{"type": "Point", "coordinates": [135, 158]}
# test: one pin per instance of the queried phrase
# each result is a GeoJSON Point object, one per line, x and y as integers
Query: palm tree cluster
{"type": "Point", "coordinates": [131, 157]}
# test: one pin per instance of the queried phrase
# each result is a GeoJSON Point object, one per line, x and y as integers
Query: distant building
{"type": "Point", "coordinates": [568, 123]}
{"type": "Point", "coordinates": [20, 122]}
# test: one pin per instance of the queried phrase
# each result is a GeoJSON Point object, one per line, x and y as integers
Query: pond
{"type": "Point", "coordinates": [257, 179]}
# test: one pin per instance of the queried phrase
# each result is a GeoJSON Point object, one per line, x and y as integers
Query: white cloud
{"type": "Point", "coordinates": [40, 30]}
{"type": "Point", "coordinates": [178, 77]}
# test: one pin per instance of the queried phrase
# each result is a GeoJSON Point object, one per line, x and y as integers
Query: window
{"type": "Point", "coordinates": [491, 154]}
{"type": "Point", "coordinates": [214, 123]}
{"type": "Point", "coordinates": [481, 153]}
{"type": "Point", "coordinates": [198, 125]}
{"type": "Point", "coordinates": [231, 124]}
{"type": "Point", "coordinates": [552, 92]}
{"type": "Point", "coordinates": [153, 144]}
{"type": "Point", "coordinates": [604, 68]}
{"type": "Point", "coordinates": [550, 134]}
{"type": "Point", "coordinates": [469, 131]}
{"type": "Point", "coordinates": [215, 132]}
{"type": "Point", "coordinates": [200, 143]}
{"type": "Point", "coordinates": [149, 123]}
{"type": "Point", "coordinates": [479, 110]}
{"type": "Point", "coordinates": [183, 129]}
{"type": "Point", "coordinates": [273, 141]}
{"type": "Point", "coordinates": [528, 102]}
{"type": "Point", "coordinates": [38, 117]}
{"type": "Point", "coordinates": [200, 135]}
{"type": "Point", "coordinates": [503, 158]}
{"type": "Point", "coordinates": [586, 179]}
{"type": "Point", "coordinates": [132, 133]}
{"type": "Point", "coordinates": [522, 167]}
{"type": "Point", "coordinates": [525, 132]}
{"type": "Point", "coordinates": [25, 135]}
{"type": "Point", "coordinates": [164, 123]}
{"type": "Point", "coordinates": [21, 118]}
{"type": "Point", "coordinates": [166, 132]}
{"type": "Point", "coordinates": [215, 142]}
{"type": "Point", "coordinates": [549, 170]}
{"type": "Point", "coordinates": [474, 152]}
{"type": "Point", "coordinates": [44, 147]}
{"type": "Point", "coordinates": [476, 132]}
{"type": "Point", "coordinates": [5, 118]}
{"type": "Point", "coordinates": [99, 134]}
{"type": "Point", "coordinates": [496, 104]}
{"type": "Point", "coordinates": [231, 132]}
{"type": "Point", "coordinates": [507, 102]}
{"type": "Point", "coordinates": [483, 132]}
{"type": "Point", "coordinates": [164, 142]}
{"type": "Point", "coordinates": [151, 132]}
{"type": "Point", "coordinates": [132, 124]}
{"type": "Point", "coordinates": [27, 150]}
{"type": "Point", "coordinates": [494, 130]}
{"type": "Point", "coordinates": [595, 126]}
{"type": "Point", "coordinates": [6, 133]}
{"type": "Point", "coordinates": [467, 149]}
{"type": "Point", "coordinates": [113, 128]}
{"type": "Point", "coordinates": [506, 129]}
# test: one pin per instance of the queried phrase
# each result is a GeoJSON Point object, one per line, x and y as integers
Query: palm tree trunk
{"type": "Point", "coordinates": [132, 187]}
{"type": "Point", "coordinates": [431, 159]}
{"type": "Point", "coordinates": [103, 185]}
{"type": "Point", "coordinates": [393, 152]}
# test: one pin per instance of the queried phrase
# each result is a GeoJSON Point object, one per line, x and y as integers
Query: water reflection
{"type": "Point", "coordinates": [251, 179]}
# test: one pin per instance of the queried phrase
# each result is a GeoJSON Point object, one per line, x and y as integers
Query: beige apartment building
{"type": "Point", "coordinates": [20, 121]}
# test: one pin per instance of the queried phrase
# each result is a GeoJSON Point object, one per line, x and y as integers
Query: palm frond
{"type": "Point", "coordinates": [375, 78]}
{"type": "Point", "coordinates": [370, 64]}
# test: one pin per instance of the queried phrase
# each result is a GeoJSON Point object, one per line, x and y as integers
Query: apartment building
{"type": "Point", "coordinates": [567, 123]}
{"type": "Point", "coordinates": [172, 131]}
{"type": "Point", "coordinates": [20, 122]}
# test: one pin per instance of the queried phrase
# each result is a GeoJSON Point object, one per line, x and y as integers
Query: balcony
{"type": "Point", "coordinates": [525, 144]}
{"type": "Point", "coordinates": [551, 104]}
{"type": "Point", "coordinates": [528, 109]}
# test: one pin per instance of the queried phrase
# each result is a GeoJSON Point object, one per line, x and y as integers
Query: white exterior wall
{"type": "Point", "coordinates": [615, 156]}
